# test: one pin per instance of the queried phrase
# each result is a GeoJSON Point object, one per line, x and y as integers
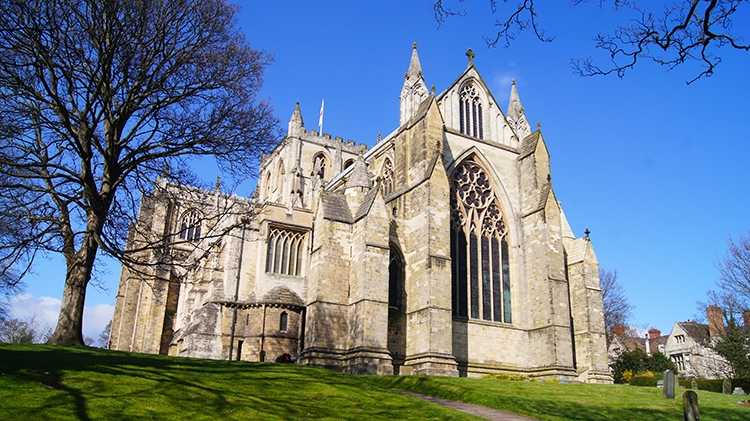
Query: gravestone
{"type": "Point", "coordinates": [690, 406]}
{"type": "Point", "coordinates": [669, 381]}
{"type": "Point", "coordinates": [694, 385]}
{"type": "Point", "coordinates": [726, 387]}
{"type": "Point", "coordinates": [738, 391]}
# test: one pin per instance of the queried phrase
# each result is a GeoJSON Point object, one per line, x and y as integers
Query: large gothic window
{"type": "Point", "coordinates": [190, 226]}
{"type": "Point", "coordinates": [470, 112]}
{"type": "Point", "coordinates": [479, 248]}
{"type": "Point", "coordinates": [387, 177]}
{"type": "Point", "coordinates": [285, 250]}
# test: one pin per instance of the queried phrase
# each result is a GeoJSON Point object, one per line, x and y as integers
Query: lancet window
{"type": "Point", "coordinates": [387, 177]}
{"type": "Point", "coordinates": [479, 248]}
{"type": "Point", "coordinates": [285, 250]}
{"type": "Point", "coordinates": [319, 166]}
{"type": "Point", "coordinates": [190, 226]}
{"type": "Point", "coordinates": [470, 112]}
{"type": "Point", "coordinates": [280, 175]}
{"type": "Point", "coordinates": [283, 321]}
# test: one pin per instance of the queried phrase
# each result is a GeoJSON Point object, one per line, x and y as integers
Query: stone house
{"type": "Point", "coordinates": [688, 345]}
{"type": "Point", "coordinates": [440, 250]}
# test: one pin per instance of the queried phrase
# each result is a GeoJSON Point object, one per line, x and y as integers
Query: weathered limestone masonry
{"type": "Point", "coordinates": [441, 250]}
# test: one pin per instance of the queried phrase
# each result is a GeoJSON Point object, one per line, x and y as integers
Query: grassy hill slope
{"type": "Point", "coordinates": [550, 401]}
{"type": "Point", "coordinates": [40, 382]}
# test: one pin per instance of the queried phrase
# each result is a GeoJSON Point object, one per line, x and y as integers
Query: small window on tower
{"type": "Point", "coordinates": [283, 321]}
{"type": "Point", "coordinates": [190, 227]}
{"type": "Point", "coordinates": [319, 166]}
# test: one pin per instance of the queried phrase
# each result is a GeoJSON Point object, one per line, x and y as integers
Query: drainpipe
{"type": "Point", "coordinates": [263, 334]}
{"type": "Point", "coordinates": [237, 291]}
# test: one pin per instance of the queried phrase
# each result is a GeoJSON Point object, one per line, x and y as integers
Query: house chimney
{"type": "Point", "coordinates": [654, 333]}
{"type": "Point", "coordinates": [618, 330]}
{"type": "Point", "coordinates": [746, 317]}
{"type": "Point", "coordinates": [715, 321]}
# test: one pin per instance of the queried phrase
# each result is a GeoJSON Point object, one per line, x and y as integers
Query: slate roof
{"type": "Point", "coordinates": [282, 295]}
{"type": "Point", "coordinates": [697, 331]}
{"type": "Point", "coordinates": [334, 207]}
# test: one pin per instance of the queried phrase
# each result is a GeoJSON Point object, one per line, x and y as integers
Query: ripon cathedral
{"type": "Point", "coordinates": [440, 250]}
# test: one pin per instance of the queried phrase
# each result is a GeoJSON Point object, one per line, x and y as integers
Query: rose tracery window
{"type": "Point", "coordinates": [479, 248]}
{"type": "Point", "coordinates": [284, 254]}
{"type": "Point", "coordinates": [470, 112]}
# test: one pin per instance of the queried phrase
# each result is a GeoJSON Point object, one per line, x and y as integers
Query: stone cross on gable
{"type": "Point", "coordinates": [470, 54]}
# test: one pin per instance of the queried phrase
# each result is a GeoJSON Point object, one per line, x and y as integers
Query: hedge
{"type": "Point", "coordinates": [716, 385]}
{"type": "Point", "coordinates": [648, 381]}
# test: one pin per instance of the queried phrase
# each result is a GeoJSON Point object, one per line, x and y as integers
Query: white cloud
{"type": "Point", "coordinates": [47, 309]}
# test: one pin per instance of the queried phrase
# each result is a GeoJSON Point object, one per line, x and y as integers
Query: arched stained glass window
{"type": "Point", "coordinates": [470, 112]}
{"type": "Point", "coordinates": [284, 253]}
{"type": "Point", "coordinates": [479, 248]}
{"type": "Point", "coordinates": [190, 226]}
{"type": "Point", "coordinates": [387, 177]}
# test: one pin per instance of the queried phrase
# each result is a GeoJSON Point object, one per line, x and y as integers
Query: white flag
{"type": "Point", "coordinates": [320, 122]}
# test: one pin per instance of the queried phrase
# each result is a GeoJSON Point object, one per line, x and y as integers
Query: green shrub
{"type": "Point", "coordinates": [648, 381]}
{"type": "Point", "coordinates": [743, 382]}
{"type": "Point", "coordinates": [707, 385]}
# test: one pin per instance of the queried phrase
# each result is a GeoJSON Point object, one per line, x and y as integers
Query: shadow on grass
{"type": "Point", "coordinates": [68, 383]}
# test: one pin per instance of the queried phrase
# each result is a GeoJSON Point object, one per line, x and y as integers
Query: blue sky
{"type": "Point", "coordinates": [656, 169]}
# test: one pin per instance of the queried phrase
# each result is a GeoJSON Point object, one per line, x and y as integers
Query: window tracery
{"type": "Point", "coordinates": [319, 166]}
{"type": "Point", "coordinates": [479, 248]}
{"type": "Point", "coordinates": [470, 112]}
{"type": "Point", "coordinates": [387, 177]}
{"type": "Point", "coordinates": [284, 253]}
{"type": "Point", "coordinates": [190, 226]}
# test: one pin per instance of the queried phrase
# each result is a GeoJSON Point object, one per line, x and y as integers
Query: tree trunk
{"type": "Point", "coordinates": [69, 330]}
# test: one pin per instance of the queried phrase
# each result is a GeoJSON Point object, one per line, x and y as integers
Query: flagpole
{"type": "Point", "coordinates": [320, 122]}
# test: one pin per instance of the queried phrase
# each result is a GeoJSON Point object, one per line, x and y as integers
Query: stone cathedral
{"type": "Point", "coordinates": [440, 250]}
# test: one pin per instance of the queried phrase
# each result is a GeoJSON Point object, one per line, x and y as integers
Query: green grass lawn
{"type": "Point", "coordinates": [550, 401]}
{"type": "Point", "coordinates": [40, 382]}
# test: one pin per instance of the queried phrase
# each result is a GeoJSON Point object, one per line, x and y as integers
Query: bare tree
{"type": "Point", "coordinates": [685, 30]}
{"type": "Point", "coordinates": [733, 297]}
{"type": "Point", "coordinates": [98, 99]}
{"type": "Point", "coordinates": [734, 271]}
{"type": "Point", "coordinates": [24, 331]}
{"type": "Point", "coordinates": [617, 309]}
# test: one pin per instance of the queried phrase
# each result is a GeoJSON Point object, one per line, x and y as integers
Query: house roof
{"type": "Point", "coordinates": [699, 332]}
{"type": "Point", "coordinates": [640, 343]}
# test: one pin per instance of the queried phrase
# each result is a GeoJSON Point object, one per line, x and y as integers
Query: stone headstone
{"type": "Point", "coordinates": [669, 383]}
{"type": "Point", "coordinates": [738, 391]}
{"type": "Point", "coordinates": [726, 387]}
{"type": "Point", "coordinates": [694, 385]}
{"type": "Point", "coordinates": [690, 406]}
